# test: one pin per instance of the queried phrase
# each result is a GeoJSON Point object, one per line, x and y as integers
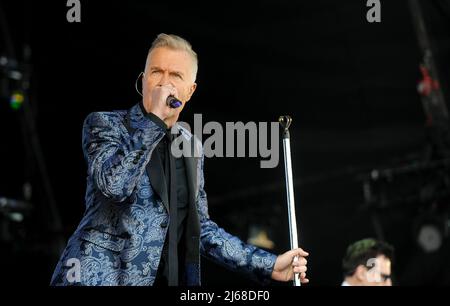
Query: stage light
{"type": "Point", "coordinates": [429, 238]}
{"type": "Point", "coordinates": [16, 100]}
{"type": "Point", "coordinates": [260, 238]}
{"type": "Point", "coordinates": [430, 232]}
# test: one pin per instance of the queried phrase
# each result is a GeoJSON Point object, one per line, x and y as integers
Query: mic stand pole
{"type": "Point", "coordinates": [285, 122]}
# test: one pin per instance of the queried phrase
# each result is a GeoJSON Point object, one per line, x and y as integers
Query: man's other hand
{"type": "Point", "coordinates": [286, 266]}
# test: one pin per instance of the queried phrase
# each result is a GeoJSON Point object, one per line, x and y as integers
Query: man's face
{"type": "Point", "coordinates": [380, 272]}
{"type": "Point", "coordinates": [169, 67]}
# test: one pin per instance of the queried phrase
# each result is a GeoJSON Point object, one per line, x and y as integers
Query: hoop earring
{"type": "Point", "coordinates": [135, 83]}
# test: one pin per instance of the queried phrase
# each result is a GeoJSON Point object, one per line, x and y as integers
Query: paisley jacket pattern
{"type": "Point", "coordinates": [121, 235]}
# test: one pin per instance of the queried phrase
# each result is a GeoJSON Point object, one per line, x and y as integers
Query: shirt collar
{"type": "Point", "coordinates": [158, 121]}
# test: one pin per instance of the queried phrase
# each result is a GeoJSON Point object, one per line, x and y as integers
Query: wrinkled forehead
{"type": "Point", "coordinates": [172, 59]}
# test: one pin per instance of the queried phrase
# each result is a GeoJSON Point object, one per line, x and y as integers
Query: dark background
{"type": "Point", "coordinates": [351, 87]}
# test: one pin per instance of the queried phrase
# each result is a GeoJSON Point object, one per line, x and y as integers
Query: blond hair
{"type": "Point", "coordinates": [175, 42]}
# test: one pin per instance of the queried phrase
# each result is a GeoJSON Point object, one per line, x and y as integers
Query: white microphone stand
{"type": "Point", "coordinates": [285, 122]}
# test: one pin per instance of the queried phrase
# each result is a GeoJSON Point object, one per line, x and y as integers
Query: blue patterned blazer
{"type": "Point", "coordinates": [120, 238]}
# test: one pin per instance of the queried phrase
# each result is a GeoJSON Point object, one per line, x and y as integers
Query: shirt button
{"type": "Point", "coordinates": [163, 224]}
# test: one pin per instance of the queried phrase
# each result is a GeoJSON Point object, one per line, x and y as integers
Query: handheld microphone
{"type": "Point", "coordinates": [173, 102]}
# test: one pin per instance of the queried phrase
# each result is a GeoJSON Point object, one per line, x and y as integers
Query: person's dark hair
{"type": "Point", "coordinates": [361, 251]}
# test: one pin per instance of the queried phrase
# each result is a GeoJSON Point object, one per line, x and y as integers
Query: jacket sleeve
{"type": "Point", "coordinates": [228, 250]}
{"type": "Point", "coordinates": [115, 159]}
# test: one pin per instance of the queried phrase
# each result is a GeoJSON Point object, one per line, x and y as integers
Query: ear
{"type": "Point", "coordinates": [191, 91]}
{"type": "Point", "coordinates": [361, 273]}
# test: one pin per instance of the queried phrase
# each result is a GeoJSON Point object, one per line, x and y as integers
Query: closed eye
{"type": "Point", "coordinates": [177, 74]}
{"type": "Point", "coordinates": [155, 71]}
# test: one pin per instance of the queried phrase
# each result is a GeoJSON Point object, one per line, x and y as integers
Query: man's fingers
{"type": "Point", "coordinates": [300, 262]}
{"type": "Point", "coordinates": [300, 269]}
{"type": "Point", "coordinates": [170, 89]}
{"type": "Point", "coordinates": [166, 90]}
{"type": "Point", "coordinates": [303, 278]}
{"type": "Point", "coordinates": [299, 252]}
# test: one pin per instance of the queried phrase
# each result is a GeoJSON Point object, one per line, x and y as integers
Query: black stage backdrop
{"type": "Point", "coordinates": [350, 86]}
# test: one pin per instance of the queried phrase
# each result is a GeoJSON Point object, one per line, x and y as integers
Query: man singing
{"type": "Point", "coordinates": [146, 220]}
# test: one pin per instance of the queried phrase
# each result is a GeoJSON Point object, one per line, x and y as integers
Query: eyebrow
{"type": "Point", "coordinates": [177, 73]}
{"type": "Point", "coordinates": [153, 68]}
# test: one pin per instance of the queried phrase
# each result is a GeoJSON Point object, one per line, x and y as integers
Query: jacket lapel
{"type": "Point", "coordinates": [191, 172]}
{"type": "Point", "coordinates": [157, 178]}
{"type": "Point", "coordinates": [193, 222]}
{"type": "Point", "coordinates": [191, 160]}
{"type": "Point", "coordinates": [135, 120]}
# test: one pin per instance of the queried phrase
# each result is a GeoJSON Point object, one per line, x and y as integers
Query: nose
{"type": "Point", "coordinates": [164, 79]}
